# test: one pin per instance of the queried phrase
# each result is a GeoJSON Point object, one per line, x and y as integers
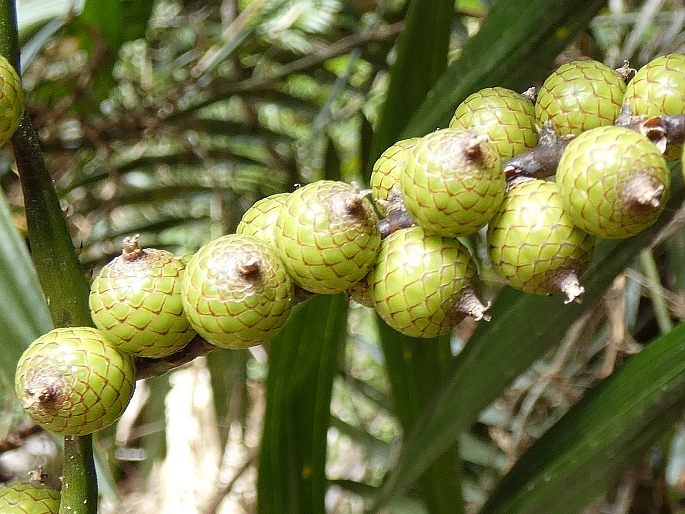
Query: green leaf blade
{"type": "Point", "coordinates": [514, 44]}
{"type": "Point", "coordinates": [581, 455]}
{"type": "Point", "coordinates": [302, 365]}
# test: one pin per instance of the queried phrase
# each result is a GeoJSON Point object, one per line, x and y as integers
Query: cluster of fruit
{"type": "Point", "coordinates": [408, 264]}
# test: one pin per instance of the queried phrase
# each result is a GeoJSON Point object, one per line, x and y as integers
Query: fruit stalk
{"type": "Point", "coordinates": [147, 368]}
{"type": "Point", "coordinates": [661, 130]}
{"type": "Point", "coordinates": [541, 161]}
{"type": "Point", "coordinates": [52, 249]}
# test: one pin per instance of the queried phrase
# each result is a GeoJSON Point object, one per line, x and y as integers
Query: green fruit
{"type": "Point", "coordinates": [72, 381]}
{"type": "Point", "coordinates": [505, 116]}
{"type": "Point", "coordinates": [327, 236]}
{"type": "Point", "coordinates": [534, 244]}
{"type": "Point", "coordinates": [614, 182]}
{"type": "Point", "coordinates": [423, 285]}
{"type": "Point", "coordinates": [260, 220]}
{"type": "Point", "coordinates": [389, 167]}
{"type": "Point", "coordinates": [135, 301]}
{"type": "Point", "coordinates": [453, 182]}
{"type": "Point", "coordinates": [236, 292]}
{"type": "Point", "coordinates": [658, 89]}
{"type": "Point", "coordinates": [580, 95]}
{"type": "Point", "coordinates": [29, 498]}
{"type": "Point", "coordinates": [11, 100]}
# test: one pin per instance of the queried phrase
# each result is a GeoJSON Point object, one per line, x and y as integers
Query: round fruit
{"type": "Point", "coordinates": [580, 95]}
{"type": "Point", "coordinates": [423, 285]}
{"type": "Point", "coordinates": [533, 243]}
{"type": "Point", "coordinates": [136, 302]}
{"type": "Point", "coordinates": [613, 181]}
{"type": "Point", "coordinates": [453, 182]}
{"type": "Point", "coordinates": [389, 167]}
{"type": "Point", "coordinates": [29, 498]}
{"type": "Point", "coordinates": [658, 89]}
{"type": "Point", "coordinates": [505, 116]}
{"type": "Point", "coordinates": [236, 292]}
{"type": "Point", "coordinates": [327, 236]}
{"type": "Point", "coordinates": [11, 100]}
{"type": "Point", "coordinates": [72, 381]}
{"type": "Point", "coordinates": [260, 220]}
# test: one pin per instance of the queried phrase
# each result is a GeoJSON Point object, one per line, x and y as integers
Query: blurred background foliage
{"type": "Point", "coordinates": [170, 118]}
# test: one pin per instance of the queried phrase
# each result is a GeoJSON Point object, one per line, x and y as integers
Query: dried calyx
{"type": "Point", "coordinates": [643, 191]}
{"type": "Point", "coordinates": [468, 304]}
{"type": "Point", "coordinates": [398, 216]}
{"type": "Point", "coordinates": [132, 249]}
{"type": "Point", "coordinates": [569, 284]}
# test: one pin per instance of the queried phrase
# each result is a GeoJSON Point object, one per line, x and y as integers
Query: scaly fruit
{"type": "Point", "coordinates": [72, 381]}
{"type": "Point", "coordinates": [658, 89]}
{"type": "Point", "coordinates": [453, 182]}
{"type": "Point", "coordinates": [388, 169]}
{"type": "Point", "coordinates": [534, 244]}
{"type": "Point", "coordinates": [580, 95]}
{"type": "Point", "coordinates": [327, 236]}
{"type": "Point", "coordinates": [29, 498]}
{"type": "Point", "coordinates": [236, 292]}
{"type": "Point", "coordinates": [260, 220]}
{"type": "Point", "coordinates": [423, 285]}
{"type": "Point", "coordinates": [613, 181]}
{"type": "Point", "coordinates": [135, 301]}
{"type": "Point", "coordinates": [505, 116]}
{"type": "Point", "coordinates": [11, 100]}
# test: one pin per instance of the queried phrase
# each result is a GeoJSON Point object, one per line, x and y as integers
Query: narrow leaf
{"type": "Point", "coordinates": [24, 315]}
{"type": "Point", "coordinates": [513, 45]}
{"type": "Point", "coordinates": [302, 365]}
{"type": "Point", "coordinates": [421, 59]}
{"type": "Point", "coordinates": [581, 455]}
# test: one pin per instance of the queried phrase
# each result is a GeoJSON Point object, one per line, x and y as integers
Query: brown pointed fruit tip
{"type": "Point", "coordinates": [470, 305]}
{"type": "Point", "coordinates": [531, 94]}
{"type": "Point", "coordinates": [569, 284]}
{"type": "Point", "coordinates": [626, 72]}
{"type": "Point", "coordinates": [643, 191]}
{"type": "Point", "coordinates": [249, 266]}
{"type": "Point", "coordinates": [45, 392]}
{"type": "Point", "coordinates": [474, 147]}
{"type": "Point", "coordinates": [354, 200]}
{"type": "Point", "coordinates": [132, 249]}
{"type": "Point", "coordinates": [398, 216]}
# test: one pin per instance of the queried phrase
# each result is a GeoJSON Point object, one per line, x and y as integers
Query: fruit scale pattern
{"type": "Point", "coordinates": [408, 264]}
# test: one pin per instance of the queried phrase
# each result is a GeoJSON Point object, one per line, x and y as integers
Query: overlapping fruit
{"type": "Point", "coordinates": [487, 173]}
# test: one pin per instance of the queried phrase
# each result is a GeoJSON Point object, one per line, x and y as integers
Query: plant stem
{"type": "Point", "coordinates": [79, 488]}
{"type": "Point", "coordinates": [59, 271]}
